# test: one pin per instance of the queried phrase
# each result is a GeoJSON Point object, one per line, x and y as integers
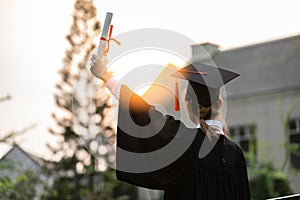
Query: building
{"type": "Point", "coordinates": [21, 160]}
{"type": "Point", "coordinates": [16, 162]}
{"type": "Point", "coordinates": [261, 97]}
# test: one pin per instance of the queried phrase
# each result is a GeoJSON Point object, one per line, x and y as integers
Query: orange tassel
{"type": "Point", "coordinates": [176, 100]}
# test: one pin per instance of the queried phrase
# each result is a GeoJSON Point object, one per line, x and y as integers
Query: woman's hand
{"type": "Point", "coordinates": [98, 68]}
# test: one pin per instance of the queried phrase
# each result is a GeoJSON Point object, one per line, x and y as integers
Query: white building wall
{"type": "Point", "coordinates": [264, 111]}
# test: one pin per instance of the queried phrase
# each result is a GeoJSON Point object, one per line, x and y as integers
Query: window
{"type": "Point", "coordinates": [245, 136]}
{"type": "Point", "coordinates": [294, 127]}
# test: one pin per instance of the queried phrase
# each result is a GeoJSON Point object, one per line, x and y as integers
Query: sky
{"type": "Point", "coordinates": [32, 40]}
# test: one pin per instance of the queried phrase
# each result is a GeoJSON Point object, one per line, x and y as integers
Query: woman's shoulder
{"type": "Point", "coordinates": [234, 151]}
{"type": "Point", "coordinates": [228, 142]}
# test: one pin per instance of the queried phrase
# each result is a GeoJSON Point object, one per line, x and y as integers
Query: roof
{"type": "Point", "coordinates": [36, 160]}
{"type": "Point", "coordinates": [264, 67]}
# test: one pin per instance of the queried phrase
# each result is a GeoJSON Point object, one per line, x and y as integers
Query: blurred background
{"type": "Point", "coordinates": [45, 81]}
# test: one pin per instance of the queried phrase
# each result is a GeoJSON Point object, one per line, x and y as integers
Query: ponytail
{"type": "Point", "coordinates": [205, 113]}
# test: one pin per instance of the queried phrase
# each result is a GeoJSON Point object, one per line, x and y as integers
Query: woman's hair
{"type": "Point", "coordinates": [204, 113]}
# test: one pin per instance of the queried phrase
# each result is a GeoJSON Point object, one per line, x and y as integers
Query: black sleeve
{"type": "Point", "coordinates": [153, 150]}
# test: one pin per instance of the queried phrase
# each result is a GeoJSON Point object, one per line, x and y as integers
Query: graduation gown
{"type": "Point", "coordinates": [221, 174]}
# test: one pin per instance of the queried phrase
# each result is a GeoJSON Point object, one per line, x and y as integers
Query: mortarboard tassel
{"type": "Point", "coordinates": [176, 100]}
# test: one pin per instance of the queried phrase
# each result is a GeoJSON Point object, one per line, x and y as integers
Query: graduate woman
{"type": "Point", "coordinates": [156, 151]}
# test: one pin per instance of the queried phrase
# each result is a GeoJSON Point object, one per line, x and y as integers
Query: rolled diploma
{"type": "Point", "coordinates": [104, 34]}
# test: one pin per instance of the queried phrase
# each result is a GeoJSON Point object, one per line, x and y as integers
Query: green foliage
{"type": "Point", "coordinates": [100, 185]}
{"type": "Point", "coordinates": [266, 182]}
{"type": "Point", "coordinates": [22, 188]}
{"type": "Point", "coordinates": [285, 117]}
{"type": "Point", "coordinates": [116, 190]}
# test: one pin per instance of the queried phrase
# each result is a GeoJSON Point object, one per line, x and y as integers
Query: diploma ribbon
{"type": "Point", "coordinates": [108, 40]}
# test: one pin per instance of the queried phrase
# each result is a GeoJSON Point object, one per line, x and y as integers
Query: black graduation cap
{"type": "Point", "coordinates": [205, 82]}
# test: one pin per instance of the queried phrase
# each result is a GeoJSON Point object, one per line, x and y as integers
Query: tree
{"type": "Point", "coordinates": [289, 148]}
{"type": "Point", "coordinates": [24, 185]}
{"type": "Point", "coordinates": [84, 123]}
{"type": "Point", "coordinates": [9, 138]}
{"type": "Point", "coordinates": [5, 98]}
{"type": "Point", "coordinates": [268, 182]}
